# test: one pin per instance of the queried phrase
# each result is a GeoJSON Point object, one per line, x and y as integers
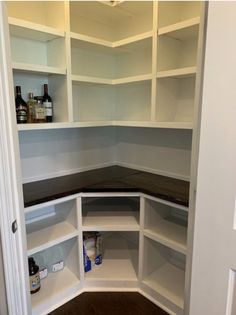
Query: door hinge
{"type": "Point", "coordinates": [14, 226]}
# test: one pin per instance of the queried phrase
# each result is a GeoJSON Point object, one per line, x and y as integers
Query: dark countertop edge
{"type": "Point", "coordinates": [101, 188]}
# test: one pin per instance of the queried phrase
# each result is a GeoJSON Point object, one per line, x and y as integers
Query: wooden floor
{"type": "Point", "coordinates": [109, 303]}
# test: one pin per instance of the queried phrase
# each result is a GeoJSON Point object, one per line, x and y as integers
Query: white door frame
{"type": "Point", "coordinates": [11, 196]}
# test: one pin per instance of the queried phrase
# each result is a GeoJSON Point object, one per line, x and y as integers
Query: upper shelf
{"type": "Point", "coordinates": [96, 80]}
{"type": "Point", "coordinates": [33, 68]}
{"type": "Point", "coordinates": [25, 29]}
{"type": "Point", "coordinates": [181, 30]}
{"type": "Point", "coordinates": [110, 44]}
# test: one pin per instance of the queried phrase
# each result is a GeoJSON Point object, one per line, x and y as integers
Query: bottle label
{"type": "Point", "coordinates": [48, 108]}
{"type": "Point", "coordinates": [43, 273]}
{"type": "Point", "coordinates": [21, 113]}
{"type": "Point", "coordinates": [39, 113]}
{"type": "Point", "coordinates": [34, 282]}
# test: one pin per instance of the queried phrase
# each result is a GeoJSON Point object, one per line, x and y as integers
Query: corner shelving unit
{"type": "Point", "coordinates": [133, 64]}
{"type": "Point", "coordinates": [101, 68]}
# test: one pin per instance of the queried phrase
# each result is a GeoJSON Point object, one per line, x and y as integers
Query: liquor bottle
{"type": "Point", "coordinates": [21, 107]}
{"type": "Point", "coordinates": [31, 107]}
{"type": "Point", "coordinates": [34, 278]}
{"type": "Point", "coordinates": [39, 110]}
{"type": "Point", "coordinates": [47, 102]}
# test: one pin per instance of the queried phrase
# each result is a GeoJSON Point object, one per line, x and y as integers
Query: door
{"type": "Point", "coordinates": [11, 201]}
{"type": "Point", "coordinates": [213, 285]}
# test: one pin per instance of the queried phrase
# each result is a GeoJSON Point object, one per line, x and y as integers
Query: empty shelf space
{"type": "Point", "coordinates": [166, 225]}
{"type": "Point", "coordinates": [110, 24]}
{"type": "Point", "coordinates": [170, 235]}
{"type": "Point", "coordinates": [175, 99]}
{"type": "Point", "coordinates": [168, 281]}
{"type": "Point", "coordinates": [50, 225]}
{"type": "Point", "coordinates": [47, 237]}
{"type": "Point", "coordinates": [110, 214]}
{"type": "Point", "coordinates": [164, 271]}
{"type": "Point", "coordinates": [45, 16]}
{"type": "Point", "coordinates": [181, 30]}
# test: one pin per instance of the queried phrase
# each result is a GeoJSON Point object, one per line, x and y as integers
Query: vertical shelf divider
{"type": "Point", "coordinates": [68, 62]}
{"type": "Point", "coordinates": [80, 238]}
{"type": "Point", "coordinates": [154, 61]}
{"type": "Point", "coordinates": [141, 238]}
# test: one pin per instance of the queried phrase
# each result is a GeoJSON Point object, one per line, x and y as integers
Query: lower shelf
{"type": "Point", "coordinates": [164, 272]}
{"type": "Point", "coordinates": [120, 259]}
{"type": "Point", "coordinates": [55, 288]}
{"type": "Point", "coordinates": [168, 281]}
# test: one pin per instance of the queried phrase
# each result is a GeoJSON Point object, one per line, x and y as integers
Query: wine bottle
{"type": "Point", "coordinates": [21, 107]}
{"type": "Point", "coordinates": [47, 102]}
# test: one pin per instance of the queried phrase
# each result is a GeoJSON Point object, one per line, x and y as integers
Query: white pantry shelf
{"type": "Point", "coordinates": [168, 281]}
{"type": "Point", "coordinates": [88, 79]}
{"type": "Point", "coordinates": [40, 69]}
{"type": "Point", "coordinates": [90, 39]}
{"type": "Point", "coordinates": [50, 236]}
{"type": "Point", "coordinates": [110, 44]}
{"type": "Point", "coordinates": [110, 221]}
{"type": "Point", "coordinates": [98, 80]}
{"type": "Point", "coordinates": [177, 73]}
{"type": "Point", "coordinates": [25, 29]}
{"type": "Point", "coordinates": [154, 124]}
{"type": "Point", "coordinates": [53, 290]}
{"type": "Point", "coordinates": [182, 30]}
{"type": "Point", "coordinates": [169, 234]}
{"type": "Point", "coordinates": [63, 125]}
{"type": "Point", "coordinates": [137, 78]}
{"type": "Point", "coordinates": [113, 269]}
{"type": "Point", "coordinates": [132, 39]}
{"type": "Point", "coordinates": [104, 123]}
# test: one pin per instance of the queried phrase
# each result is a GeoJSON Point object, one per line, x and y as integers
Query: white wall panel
{"type": "Point", "coordinates": [58, 152]}
{"type": "Point", "coordinates": [160, 151]}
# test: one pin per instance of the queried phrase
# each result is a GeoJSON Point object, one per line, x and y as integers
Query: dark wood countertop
{"type": "Point", "coordinates": [108, 179]}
